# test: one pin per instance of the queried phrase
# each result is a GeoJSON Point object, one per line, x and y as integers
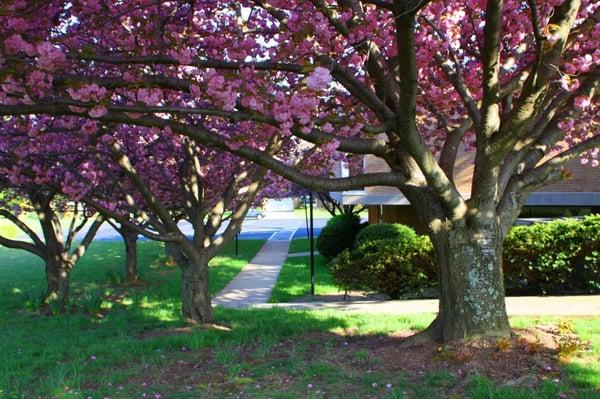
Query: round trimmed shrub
{"type": "Point", "coordinates": [389, 266]}
{"type": "Point", "coordinates": [387, 231]}
{"type": "Point", "coordinates": [338, 234]}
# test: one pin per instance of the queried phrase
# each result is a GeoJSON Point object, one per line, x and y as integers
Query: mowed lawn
{"type": "Point", "coordinates": [137, 346]}
{"type": "Point", "coordinates": [294, 279]}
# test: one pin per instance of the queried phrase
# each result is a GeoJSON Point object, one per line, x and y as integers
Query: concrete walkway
{"type": "Point", "coordinates": [253, 285]}
{"type": "Point", "coordinates": [585, 305]}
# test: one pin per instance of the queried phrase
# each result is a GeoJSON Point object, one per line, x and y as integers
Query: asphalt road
{"type": "Point", "coordinates": [251, 229]}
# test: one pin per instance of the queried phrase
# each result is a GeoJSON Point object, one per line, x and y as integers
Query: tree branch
{"type": "Point", "coordinates": [23, 227]}
{"type": "Point", "coordinates": [29, 247]}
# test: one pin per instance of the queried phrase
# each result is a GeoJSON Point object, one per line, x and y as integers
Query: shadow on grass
{"type": "Point", "coordinates": [139, 346]}
{"type": "Point", "coordinates": [586, 375]}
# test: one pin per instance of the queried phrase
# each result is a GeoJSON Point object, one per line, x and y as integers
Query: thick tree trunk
{"type": "Point", "coordinates": [57, 282]}
{"type": "Point", "coordinates": [196, 304]}
{"type": "Point", "coordinates": [130, 238]}
{"type": "Point", "coordinates": [174, 254]}
{"type": "Point", "coordinates": [471, 285]}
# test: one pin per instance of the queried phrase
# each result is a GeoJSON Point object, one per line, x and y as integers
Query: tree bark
{"type": "Point", "coordinates": [196, 304]}
{"type": "Point", "coordinates": [174, 255]}
{"type": "Point", "coordinates": [130, 239]}
{"type": "Point", "coordinates": [57, 281]}
{"type": "Point", "coordinates": [471, 285]}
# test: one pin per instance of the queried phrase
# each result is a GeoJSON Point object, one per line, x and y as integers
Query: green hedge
{"type": "Point", "coordinates": [546, 258]}
{"type": "Point", "coordinates": [338, 234]}
{"type": "Point", "coordinates": [553, 258]}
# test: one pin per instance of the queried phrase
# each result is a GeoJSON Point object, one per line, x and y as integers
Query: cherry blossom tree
{"type": "Point", "coordinates": [30, 178]}
{"type": "Point", "coordinates": [291, 85]}
{"type": "Point", "coordinates": [143, 180]}
{"type": "Point", "coordinates": [147, 180]}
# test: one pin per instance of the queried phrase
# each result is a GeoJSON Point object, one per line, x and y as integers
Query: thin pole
{"type": "Point", "coordinates": [237, 246]}
{"type": "Point", "coordinates": [312, 249]}
{"type": "Point", "coordinates": [306, 215]}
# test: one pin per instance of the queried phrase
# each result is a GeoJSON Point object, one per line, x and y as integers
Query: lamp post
{"type": "Point", "coordinates": [312, 248]}
{"type": "Point", "coordinates": [237, 246]}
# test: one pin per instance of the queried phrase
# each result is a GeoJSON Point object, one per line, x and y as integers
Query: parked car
{"type": "Point", "coordinates": [254, 213]}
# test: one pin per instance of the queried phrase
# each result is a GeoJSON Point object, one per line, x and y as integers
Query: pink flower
{"type": "Point", "coordinates": [89, 127]}
{"type": "Point", "coordinates": [569, 84]}
{"type": "Point", "coordinates": [319, 78]}
{"type": "Point", "coordinates": [582, 102]}
{"type": "Point", "coordinates": [49, 56]}
{"type": "Point", "coordinates": [566, 124]}
{"type": "Point", "coordinates": [15, 43]}
{"type": "Point", "coordinates": [327, 128]}
{"type": "Point", "coordinates": [87, 93]}
{"type": "Point", "coordinates": [39, 82]}
{"type": "Point", "coordinates": [98, 111]}
{"type": "Point", "coordinates": [17, 24]}
{"type": "Point", "coordinates": [150, 97]}
{"type": "Point", "coordinates": [184, 57]}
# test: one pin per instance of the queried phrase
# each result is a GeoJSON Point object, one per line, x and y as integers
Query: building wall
{"type": "Point", "coordinates": [582, 179]}
{"type": "Point", "coordinates": [396, 214]}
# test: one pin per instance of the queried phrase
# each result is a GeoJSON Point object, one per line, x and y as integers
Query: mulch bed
{"type": "Point", "coordinates": [525, 360]}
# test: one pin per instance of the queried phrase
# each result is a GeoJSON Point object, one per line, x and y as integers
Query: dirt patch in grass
{"type": "Point", "coordinates": [525, 360]}
{"type": "Point", "coordinates": [186, 373]}
{"type": "Point", "coordinates": [530, 357]}
{"type": "Point", "coordinates": [166, 332]}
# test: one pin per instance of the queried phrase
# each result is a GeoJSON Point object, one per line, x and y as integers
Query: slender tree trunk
{"type": "Point", "coordinates": [471, 285]}
{"type": "Point", "coordinates": [57, 281]}
{"type": "Point", "coordinates": [196, 304]}
{"type": "Point", "coordinates": [130, 238]}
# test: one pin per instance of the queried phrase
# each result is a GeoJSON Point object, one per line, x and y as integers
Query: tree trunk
{"type": "Point", "coordinates": [174, 254]}
{"type": "Point", "coordinates": [196, 304]}
{"type": "Point", "coordinates": [57, 282]}
{"type": "Point", "coordinates": [471, 285]}
{"type": "Point", "coordinates": [130, 238]}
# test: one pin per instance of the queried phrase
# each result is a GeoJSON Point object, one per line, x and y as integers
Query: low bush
{"type": "Point", "coordinates": [546, 258]}
{"type": "Point", "coordinates": [395, 231]}
{"type": "Point", "coordinates": [391, 266]}
{"type": "Point", "coordinates": [553, 258]}
{"type": "Point", "coordinates": [338, 234]}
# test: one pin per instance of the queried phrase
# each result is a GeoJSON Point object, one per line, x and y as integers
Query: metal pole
{"type": "Point", "coordinates": [312, 248]}
{"type": "Point", "coordinates": [306, 215]}
{"type": "Point", "coordinates": [237, 246]}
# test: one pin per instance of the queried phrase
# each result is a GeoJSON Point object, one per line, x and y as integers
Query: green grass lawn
{"type": "Point", "coordinates": [139, 347]}
{"type": "Point", "coordinates": [294, 279]}
{"type": "Point", "coordinates": [301, 245]}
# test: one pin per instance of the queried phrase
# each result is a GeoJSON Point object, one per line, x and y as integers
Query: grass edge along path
{"type": "Point", "coordinates": [294, 279]}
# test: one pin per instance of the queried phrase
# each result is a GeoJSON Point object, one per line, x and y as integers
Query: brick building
{"type": "Point", "coordinates": [580, 194]}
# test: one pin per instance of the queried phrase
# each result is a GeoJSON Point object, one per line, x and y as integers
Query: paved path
{"type": "Point", "coordinates": [253, 285]}
{"type": "Point", "coordinates": [587, 305]}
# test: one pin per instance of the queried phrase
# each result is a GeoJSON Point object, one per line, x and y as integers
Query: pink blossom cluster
{"type": "Point", "coordinates": [50, 57]}
{"type": "Point", "coordinates": [87, 92]}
